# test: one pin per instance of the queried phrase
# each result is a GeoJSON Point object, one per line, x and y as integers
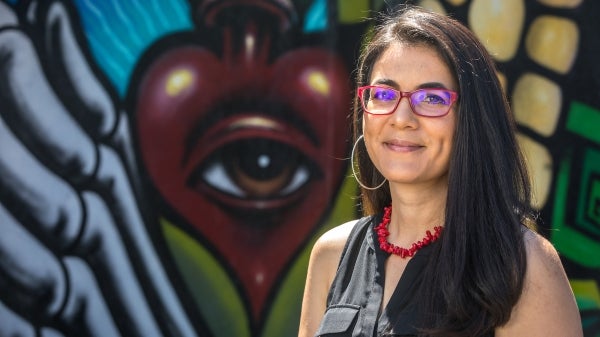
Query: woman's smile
{"type": "Point", "coordinates": [402, 146]}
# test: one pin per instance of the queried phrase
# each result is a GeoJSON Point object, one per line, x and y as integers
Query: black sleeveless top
{"type": "Point", "coordinates": [356, 293]}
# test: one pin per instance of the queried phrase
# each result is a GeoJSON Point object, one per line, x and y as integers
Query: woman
{"type": "Point", "coordinates": [444, 248]}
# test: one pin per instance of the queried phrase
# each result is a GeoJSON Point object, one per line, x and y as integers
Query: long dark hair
{"type": "Point", "coordinates": [475, 276]}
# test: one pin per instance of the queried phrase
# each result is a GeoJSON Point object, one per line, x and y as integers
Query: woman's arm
{"type": "Point", "coordinates": [547, 306]}
{"type": "Point", "coordinates": [322, 266]}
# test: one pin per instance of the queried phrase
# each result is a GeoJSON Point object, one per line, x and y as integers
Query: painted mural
{"type": "Point", "coordinates": [166, 165]}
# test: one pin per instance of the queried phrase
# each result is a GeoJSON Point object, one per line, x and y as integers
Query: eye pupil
{"type": "Point", "coordinates": [263, 161]}
{"type": "Point", "coordinates": [259, 158]}
{"type": "Point", "coordinates": [385, 95]}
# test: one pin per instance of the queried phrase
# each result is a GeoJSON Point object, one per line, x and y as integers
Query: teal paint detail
{"type": "Point", "coordinates": [316, 17]}
{"type": "Point", "coordinates": [118, 32]}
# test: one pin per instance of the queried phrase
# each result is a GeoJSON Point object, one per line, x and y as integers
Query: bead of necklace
{"type": "Point", "coordinates": [383, 233]}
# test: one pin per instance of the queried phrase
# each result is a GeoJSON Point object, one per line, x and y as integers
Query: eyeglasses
{"type": "Point", "coordinates": [428, 102]}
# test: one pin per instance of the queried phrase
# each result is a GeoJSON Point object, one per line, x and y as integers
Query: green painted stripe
{"type": "Point", "coordinates": [584, 120]}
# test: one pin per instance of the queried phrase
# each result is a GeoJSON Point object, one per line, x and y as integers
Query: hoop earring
{"type": "Point", "coordinates": [354, 171]}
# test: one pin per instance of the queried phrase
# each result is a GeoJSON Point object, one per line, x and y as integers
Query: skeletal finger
{"type": "Point", "coordinates": [37, 197]}
{"type": "Point", "coordinates": [103, 246]}
{"type": "Point", "coordinates": [57, 213]}
{"type": "Point", "coordinates": [46, 291]}
{"type": "Point", "coordinates": [92, 101]}
{"type": "Point", "coordinates": [36, 115]}
{"type": "Point", "coordinates": [113, 180]}
{"type": "Point", "coordinates": [85, 312]}
{"type": "Point", "coordinates": [82, 92]}
{"type": "Point", "coordinates": [36, 279]}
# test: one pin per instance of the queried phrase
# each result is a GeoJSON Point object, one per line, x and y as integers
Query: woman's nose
{"type": "Point", "coordinates": [404, 114]}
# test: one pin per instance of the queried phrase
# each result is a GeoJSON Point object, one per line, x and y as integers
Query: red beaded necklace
{"type": "Point", "coordinates": [383, 233]}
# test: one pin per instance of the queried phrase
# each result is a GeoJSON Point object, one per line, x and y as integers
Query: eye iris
{"type": "Point", "coordinates": [261, 159]}
{"type": "Point", "coordinates": [433, 98]}
{"type": "Point", "coordinates": [384, 95]}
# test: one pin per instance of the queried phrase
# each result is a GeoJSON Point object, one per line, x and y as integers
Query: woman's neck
{"type": "Point", "coordinates": [415, 209]}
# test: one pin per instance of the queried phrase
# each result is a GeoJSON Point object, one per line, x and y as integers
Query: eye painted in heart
{"type": "Point", "coordinates": [243, 139]}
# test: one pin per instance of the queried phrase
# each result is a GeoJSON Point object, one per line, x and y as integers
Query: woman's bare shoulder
{"type": "Point", "coordinates": [542, 258]}
{"type": "Point", "coordinates": [322, 266]}
{"type": "Point", "coordinates": [547, 306]}
{"type": "Point", "coordinates": [331, 243]}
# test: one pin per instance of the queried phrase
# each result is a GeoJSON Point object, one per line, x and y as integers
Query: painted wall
{"type": "Point", "coordinates": [166, 165]}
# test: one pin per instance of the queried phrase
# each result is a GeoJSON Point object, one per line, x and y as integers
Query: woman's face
{"type": "Point", "coordinates": [407, 148]}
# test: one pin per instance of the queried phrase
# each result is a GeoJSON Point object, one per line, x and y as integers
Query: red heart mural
{"type": "Point", "coordinates": [244, 139]}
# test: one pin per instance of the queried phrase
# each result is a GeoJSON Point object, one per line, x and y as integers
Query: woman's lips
{"type": "Point", "coordinates": [402, 146]}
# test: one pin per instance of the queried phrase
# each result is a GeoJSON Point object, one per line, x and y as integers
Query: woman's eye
{"type": "Point", "coordinates": [432, 96]}
{"type": "Point", "coordinates": [255, 169]}
{"type": "Point", "coordinates": [434, 99]}
{"type": "Point", "coordinates": [384, 95]}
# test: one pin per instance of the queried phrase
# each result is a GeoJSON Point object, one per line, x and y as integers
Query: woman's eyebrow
{"type": "Point", "coordinates": [386, 81]}
{"type": "Point", "coordinates": [432, 85]}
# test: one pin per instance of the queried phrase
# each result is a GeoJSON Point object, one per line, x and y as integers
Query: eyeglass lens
{"type": "Point", "coordinates": [426, 102]}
